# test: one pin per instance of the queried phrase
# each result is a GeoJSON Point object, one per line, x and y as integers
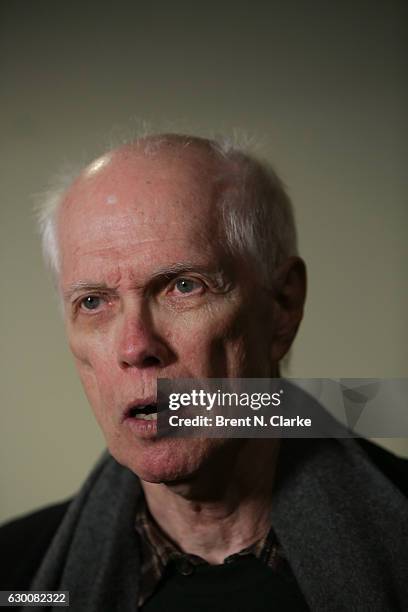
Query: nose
{"type": "Point", "coordinates": [139, 345]}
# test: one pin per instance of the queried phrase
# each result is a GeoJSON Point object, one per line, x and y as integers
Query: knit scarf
{"type": "Point", "coordinates": [342, 524]}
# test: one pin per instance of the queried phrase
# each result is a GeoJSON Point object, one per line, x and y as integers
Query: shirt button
{"type": "Point", "coordinates": [185, 567]}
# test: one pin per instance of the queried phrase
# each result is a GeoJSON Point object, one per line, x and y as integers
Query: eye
{"type": "Point", "coordinates": [90, 302]}
{"type": "Point", "coordinates": [188, 286]}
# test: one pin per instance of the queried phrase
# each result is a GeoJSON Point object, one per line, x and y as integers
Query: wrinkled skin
{"type": "Point", "coordinates": [125, 222]}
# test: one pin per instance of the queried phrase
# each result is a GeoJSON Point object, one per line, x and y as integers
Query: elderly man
{"type": "Point", "coordinates": [175, 257]}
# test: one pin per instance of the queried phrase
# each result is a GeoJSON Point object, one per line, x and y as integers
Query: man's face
{"type": "Point", "coordinates": [149, 292]}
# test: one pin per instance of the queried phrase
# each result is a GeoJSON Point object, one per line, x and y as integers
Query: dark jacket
{"type": "Point", "coordinates": [24, 541]}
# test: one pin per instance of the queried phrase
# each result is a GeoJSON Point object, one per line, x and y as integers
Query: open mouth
{"type": "Point", "coordinates": [145, 412]}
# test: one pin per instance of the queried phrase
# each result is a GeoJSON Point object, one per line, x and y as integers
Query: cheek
{"type": "Point", "coordinates": [211, 344]}
{"type": "Point", "coordinates": [93, 361]}
{"type": "Point", "coordinates": [92, 349]}
{"type": "Point", "coordinates": [79, 346]}
{"type": "Point", "coordinates": [241, 349]}
{"type": "Point", "coordinates": [98, 387]}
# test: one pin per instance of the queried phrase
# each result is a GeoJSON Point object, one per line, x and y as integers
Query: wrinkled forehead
{"type": "Point", "coordinates": [130, 198]}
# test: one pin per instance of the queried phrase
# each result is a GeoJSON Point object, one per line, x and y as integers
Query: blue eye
{"type": "Point", "coordinates": [91, 302]}
{"type": "Point", "coordinates": [186, 285]}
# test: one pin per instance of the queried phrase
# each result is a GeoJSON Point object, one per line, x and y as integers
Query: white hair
{"type": "Point", "coordinates": [46, 212]}
{"type": "Point", "coordinates": [255, 209]}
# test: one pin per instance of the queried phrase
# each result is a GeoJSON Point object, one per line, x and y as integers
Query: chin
{"type": "Point", "coordinates": [165, 461]}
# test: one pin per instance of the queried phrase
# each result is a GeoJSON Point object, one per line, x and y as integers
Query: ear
{"type": "Point", "coordinates": [289, 294]}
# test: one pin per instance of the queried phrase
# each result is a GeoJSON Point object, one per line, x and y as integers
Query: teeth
{"type": "Point", "coordinates": [146, 417]}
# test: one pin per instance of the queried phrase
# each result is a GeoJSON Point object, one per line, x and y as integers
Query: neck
{"type": "Point", "coordinates": [225, 507]}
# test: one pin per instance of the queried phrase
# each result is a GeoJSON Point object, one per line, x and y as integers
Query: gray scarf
{"type": "Point", "coordinates": [342, 524]}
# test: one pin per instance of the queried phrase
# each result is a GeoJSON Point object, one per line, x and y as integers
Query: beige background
{"type": "Point", "coordinates": [322, 87]}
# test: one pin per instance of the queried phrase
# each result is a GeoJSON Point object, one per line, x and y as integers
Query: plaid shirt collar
{"type": "Point", "coordinates": [157, 551]}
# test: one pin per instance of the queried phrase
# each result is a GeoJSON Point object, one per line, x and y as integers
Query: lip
{"type": "Point", "coordinates": [140, 427]}
{"type": "Point", "coordinates": [152, 399]}
{"type": "Point", "coordinates": [135, 403]}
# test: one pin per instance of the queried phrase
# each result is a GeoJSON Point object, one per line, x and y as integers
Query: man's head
{"type": "Point", "coordinates": [176, 258]}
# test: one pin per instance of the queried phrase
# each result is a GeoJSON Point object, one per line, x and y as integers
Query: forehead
{"type": "Point", "coordinates": [149, 184]}
{"type": "Point", "coordinates": [128, 204]}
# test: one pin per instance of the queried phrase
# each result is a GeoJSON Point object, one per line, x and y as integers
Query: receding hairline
{"type": "Point", "coordinates": [203, 157]}
{"type": "Point", "coordinates": [157, 142]}
{"type": "Point", "coordinates": [269, 231]}
{"type": "Point", "coordinates": [167, 146]}
{"type": "Point", "coordinates": [206, 153]}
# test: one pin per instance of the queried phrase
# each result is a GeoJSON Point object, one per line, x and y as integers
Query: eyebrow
{"type": "Point", "coordinates": [85, 285]}
{"type": "Point", "coordinates": [179, 268]}
{"type": "Point", "coordinates": [167, 272]}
